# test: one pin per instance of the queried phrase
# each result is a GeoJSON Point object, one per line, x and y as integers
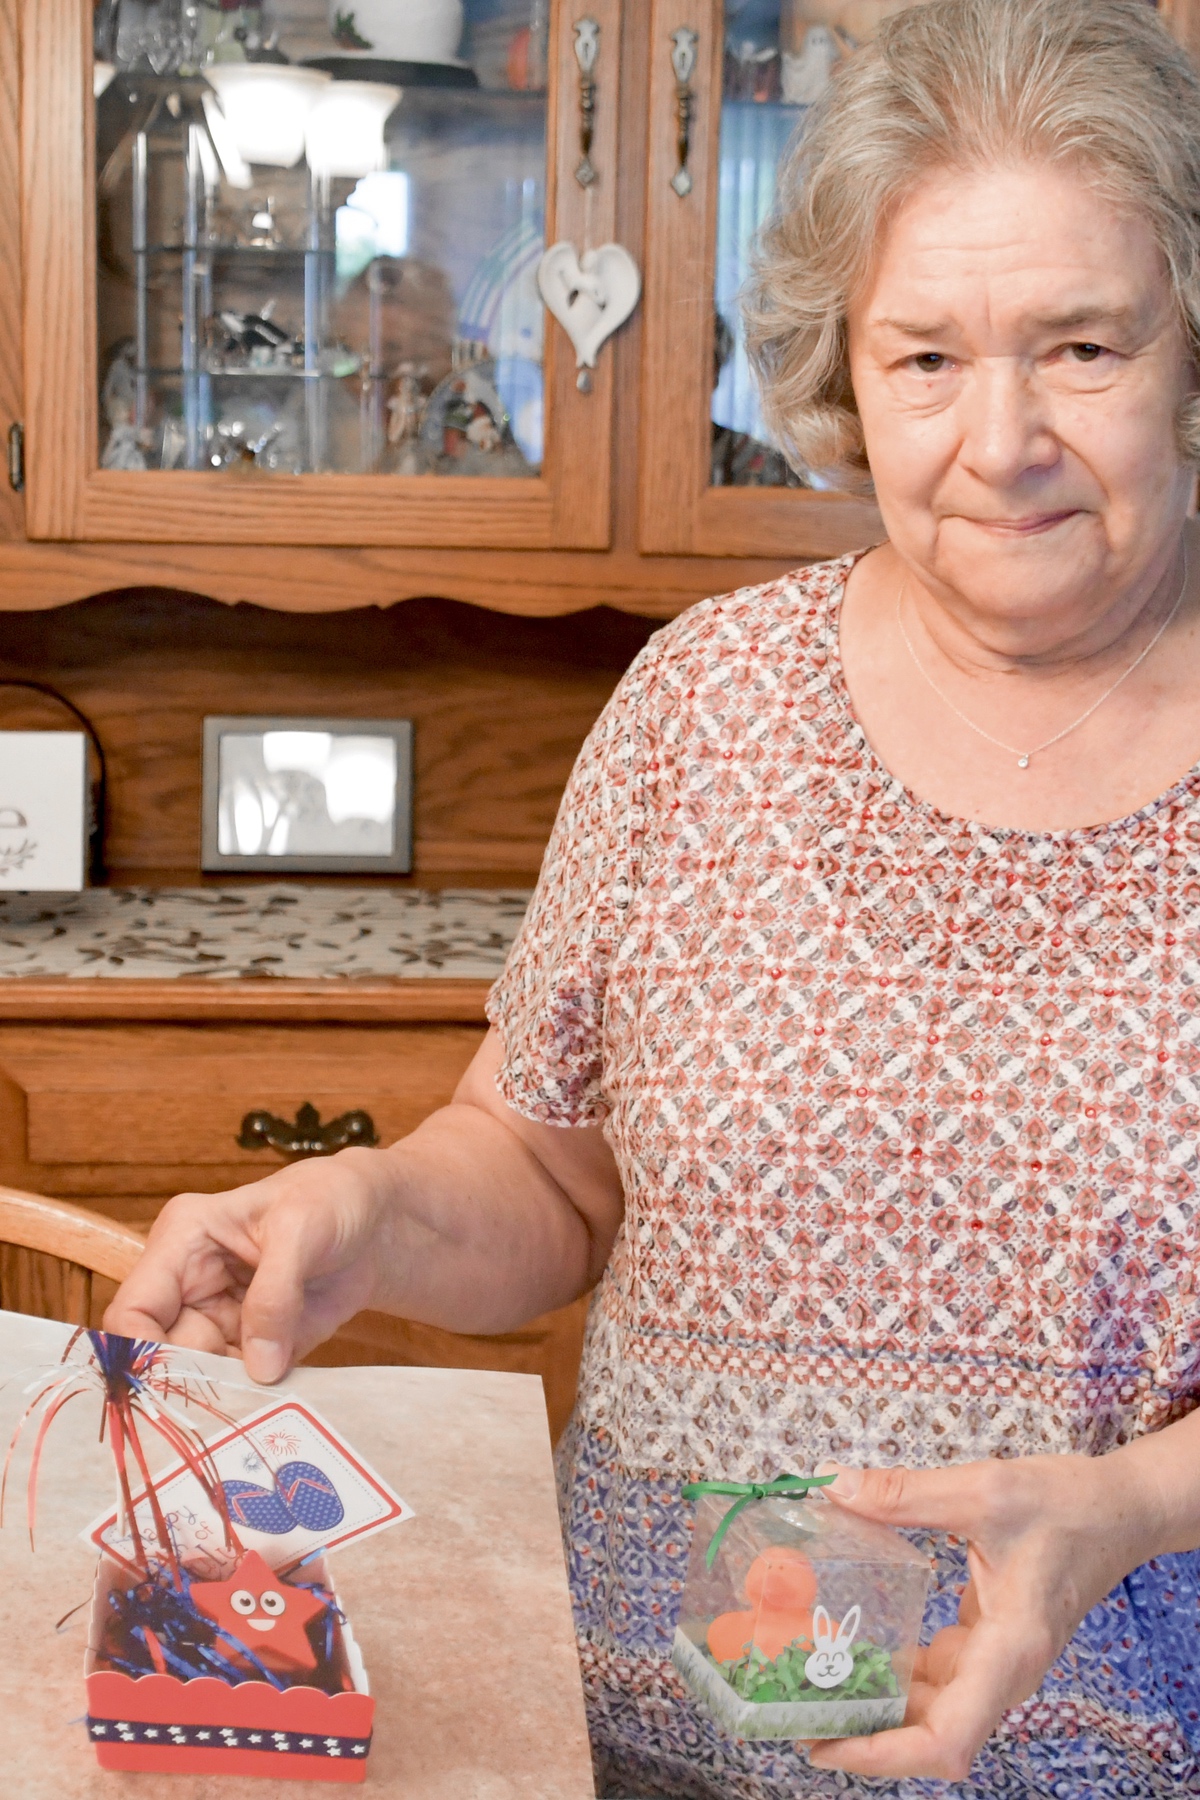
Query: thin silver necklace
{"type": "Point", "coordinates": [1025, 757]}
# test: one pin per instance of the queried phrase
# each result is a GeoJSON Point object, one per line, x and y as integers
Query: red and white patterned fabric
{"type": "Point", "coordinates": [905, 1108]}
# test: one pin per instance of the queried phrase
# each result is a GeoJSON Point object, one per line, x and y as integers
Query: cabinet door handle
{"type": "Point", "coordinates": [684, 43]}
{"type": "Point", "coordinates": [587, 51]}
{"type": "Point", "coordinates": [307, 1137]}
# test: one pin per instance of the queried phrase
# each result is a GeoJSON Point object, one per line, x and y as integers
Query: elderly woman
{"type": "Point", "coordinates": [852, 1042]}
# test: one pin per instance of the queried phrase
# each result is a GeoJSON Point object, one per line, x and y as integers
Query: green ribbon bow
{"type": "Point", "coordinates": [746, 1492]}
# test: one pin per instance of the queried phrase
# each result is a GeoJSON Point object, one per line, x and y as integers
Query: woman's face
{"type": "Point", "coordinates": [1018, 365]}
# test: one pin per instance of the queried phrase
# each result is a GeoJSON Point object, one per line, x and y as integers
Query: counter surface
{"type": "Point", "coordinates": [239, 933]}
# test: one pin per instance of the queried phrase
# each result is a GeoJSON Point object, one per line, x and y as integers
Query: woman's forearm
{"type": "Point", "coordinates": [1161, 1474]}
{"type": "Point", "coordinates": [476, 1234]}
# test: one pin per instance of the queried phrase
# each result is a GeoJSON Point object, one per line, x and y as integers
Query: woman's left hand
{"type": "Point", "coordinates": [1047, 1538]}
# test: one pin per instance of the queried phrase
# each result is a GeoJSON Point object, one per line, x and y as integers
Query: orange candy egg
{"type": "Point", "coordinates": [781, 1580]}
{"type": "Point", "coordinates": [729, 1636]}
{"type": "Point", "coordinates": [774, 1631]}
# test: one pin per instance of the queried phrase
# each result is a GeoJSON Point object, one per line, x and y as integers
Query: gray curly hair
{"type": "Point", "coordinates": [963, 84]}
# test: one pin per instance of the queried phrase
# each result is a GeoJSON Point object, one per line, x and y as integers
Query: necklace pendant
{"type": "Point", "coordinates": [1022, 762]}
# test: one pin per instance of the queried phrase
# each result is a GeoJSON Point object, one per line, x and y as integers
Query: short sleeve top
{"type": "Point", "coordinates": [905, 1108]}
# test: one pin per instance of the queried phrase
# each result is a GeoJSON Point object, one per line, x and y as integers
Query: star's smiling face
{"type": "Point", "coordinates": [266, 1615]}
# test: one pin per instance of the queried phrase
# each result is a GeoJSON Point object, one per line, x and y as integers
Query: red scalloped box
{"type": "Point", "coordinates": [163, 1725]}
{"type": "Point", "coordinates": [295, 1728]}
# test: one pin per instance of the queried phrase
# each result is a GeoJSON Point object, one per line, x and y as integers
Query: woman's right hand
{"type": "Point", "coordinates": [266, 1271]}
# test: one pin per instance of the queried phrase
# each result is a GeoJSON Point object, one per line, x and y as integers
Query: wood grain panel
{"type": "Point", "coordinates": [153, 1109]}
{"type": "Point", "coordinates": [57, 234]}
{"type": "Point", "coordinates": [178, 507]}
{"type": "Point", "coordinates": [784, 522]}
{"type": "Point", "coordinates": [36, 577]}
{"type": "Point", "coordinates": [501, 707]}
{"type": "Point", "coordinates": [677, 332]}
{"type": "Point", "coordinates": [12, 509]}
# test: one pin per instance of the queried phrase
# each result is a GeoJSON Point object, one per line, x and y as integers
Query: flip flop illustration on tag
{"type": "Point", "coordinates": [832, 1662]}
{"type": "Point", "coordinates": [590, 295]}
{"type": "Point", "coordinates": [303, 1498]}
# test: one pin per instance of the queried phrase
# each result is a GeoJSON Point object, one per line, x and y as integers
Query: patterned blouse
{"type": "Point", "coordinates": [905, 1108]}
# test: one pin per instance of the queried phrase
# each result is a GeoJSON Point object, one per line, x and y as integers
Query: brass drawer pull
{"type": "Point", "coordinates": [307, 1137]}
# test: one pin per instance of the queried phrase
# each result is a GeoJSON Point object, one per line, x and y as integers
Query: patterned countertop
{"type": "Point", "coordinates": [238, 932]}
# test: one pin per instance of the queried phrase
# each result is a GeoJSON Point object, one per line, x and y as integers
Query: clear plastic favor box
{"type": "Point", "coordinates": [804, 1621]}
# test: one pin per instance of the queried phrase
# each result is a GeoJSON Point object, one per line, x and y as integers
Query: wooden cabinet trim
{"type": "Point", "coordinates": [677, 324]}
{"type": "Point", "coordinates": [12, 509]}
{"type": "Point", "coordinates": [58, 242]}
{"type": "Point", "coordinates": [579, 426]}
{"type": "Point", "coordinates": [283, 1001]}
{"type": "Point", "coordinates": [37, 577]}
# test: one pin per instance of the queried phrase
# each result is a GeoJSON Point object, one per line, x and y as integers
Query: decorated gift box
{"type": "Point", "coordinates": [217, 1643]}
{"type": "Point", "coordinates": [798, 1619]}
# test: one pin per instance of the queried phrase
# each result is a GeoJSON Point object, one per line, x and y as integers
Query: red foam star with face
{"type": "Point", "coordinates": [262, 1612]}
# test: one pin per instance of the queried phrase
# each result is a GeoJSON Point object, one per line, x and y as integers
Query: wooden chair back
{"type": "Point", "coordinates": [59, 1261]}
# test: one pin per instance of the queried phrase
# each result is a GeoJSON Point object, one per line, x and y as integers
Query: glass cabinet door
{"type": "Point", "coordinates": [309, 258]}
{"type": "Point", "coordinates": [713, 482]}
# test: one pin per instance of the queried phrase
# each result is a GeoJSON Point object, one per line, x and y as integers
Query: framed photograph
{"type": "Point", "coordinates": [307, 796]}
{"type": "Point", "coordinates": [44, 812]}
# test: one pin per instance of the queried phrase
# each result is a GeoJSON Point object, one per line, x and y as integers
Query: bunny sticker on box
{"type": "Point", "coordinates": [831, 1663]}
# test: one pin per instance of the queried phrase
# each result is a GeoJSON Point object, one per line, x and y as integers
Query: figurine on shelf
{"type": "Point", "coordinates": [751, 71]}
{"type": "Point", "coordinates": [251, 340]}
{"type": "Point", "coordinates": [264, 228]}
{"type": "Point", "coordinates": [126, 444]}
{"type": "Point", "coordinates": [404, 405]}
{"type": "Point", "coordinates": [806, 75]}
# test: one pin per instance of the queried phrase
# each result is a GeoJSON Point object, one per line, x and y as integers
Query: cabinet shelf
{"type": "Point", "coordinates": [221, 249]}
{"type": "Point", "coordinates": [206, 373]}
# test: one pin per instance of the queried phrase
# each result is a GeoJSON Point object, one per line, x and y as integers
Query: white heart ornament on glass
{"type": "Point", "coordinates": [590, 295]}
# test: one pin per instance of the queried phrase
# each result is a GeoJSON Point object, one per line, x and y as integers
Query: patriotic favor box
{"type": "Point", "coordinates": [217, 1644]}
{"type": "Point", "coordinates": [160, 1724]}
{"type": "Point", "coordinates": [798, 1619]}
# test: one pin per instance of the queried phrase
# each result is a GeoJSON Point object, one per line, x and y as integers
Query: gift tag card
{"type": "Point", "coordinates": [293, 1487]}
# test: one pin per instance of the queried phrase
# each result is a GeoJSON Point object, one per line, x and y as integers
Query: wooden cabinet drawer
{"type": "Point", "coordinates": [174, 1097]}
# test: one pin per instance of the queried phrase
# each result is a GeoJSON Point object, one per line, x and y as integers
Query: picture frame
{"type": "Point", "coordinates": [309, 796]}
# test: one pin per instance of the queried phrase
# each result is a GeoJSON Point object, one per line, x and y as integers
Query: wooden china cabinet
{"type": "Point", "coordinates": [271, 336]}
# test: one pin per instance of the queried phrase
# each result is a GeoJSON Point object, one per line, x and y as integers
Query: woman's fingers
{"type": "Point", "coordinates": [950, 1724]}
{"type": "Point", "coordinates": [294, 1246]}
{"type": "Point", "coordinates": [182, 1266]}
{"type": "Point", "coordinates": [956, 1499]}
